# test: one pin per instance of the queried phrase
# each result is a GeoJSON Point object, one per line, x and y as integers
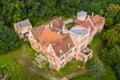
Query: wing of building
{"type": "Point", "coordinates": [60, 45]}
{"type": "Point", "coordinates": [22, 28]}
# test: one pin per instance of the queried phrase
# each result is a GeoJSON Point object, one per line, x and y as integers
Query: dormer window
{"type": "Point", "coordinates": [61, 51]}
{"type": "Point", "coordinates": [75, 49]}
{"type": "Point", "coordinates": [70, 51]}
{"type": "Point", "coordinates": [44, 41]}
{"type": "Point", "coordinates": [62, 58]}
{"type": "Point", "coordinates": [69, 46]}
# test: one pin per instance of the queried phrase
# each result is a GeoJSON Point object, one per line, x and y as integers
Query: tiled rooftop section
{"type": "Point", "coordinates": [62, 46]}
{"type": "Point", "coordinates": [58, 40]}
{"type": "Point", "coordinates": [48, 36]}
{"type": "Point", "coordinates": [78, 31]}
{"type": "Point", "coordinates": [77, 21]}
{"type": "Point", "coordinates": [57, 23]}
{"type": "Point", "coordinates": [90, 21]}
{"type": "Point", "coordinates": [22, 24]}
{"type": "Point", "coordinates": [86, 24]}
{"type": "Point", "coordinates": [37, 32]}
{"type": "Point", "coordinates": [97, 19]}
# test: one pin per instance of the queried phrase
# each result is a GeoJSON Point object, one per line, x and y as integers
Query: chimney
{"type": "Point", "coordinates": [47, 26]}
{"type": "Point", "coordinates": [77, 15]}
{"type": "Point", "coordinates": [51, 24]}
{"type": "Point", "coordinates": [92, 13]}
{"type": "Point", "coordinates": [61, 51]}
{"type": "Point", "coordinates": [89, 29]}
{"type": "Point", "coordinates": [58, 33]}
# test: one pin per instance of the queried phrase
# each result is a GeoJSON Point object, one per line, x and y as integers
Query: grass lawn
{"type": "Point", "coordinates": [69, 68]}
{"type": "Point", "coordinates": [69, 26]}
{"type": "Point", "coordinates": [21, 61]}
{"type": "Point", "coordinates": [14, 69]}
{"type": "Point", "coordinates": [83, 77]}
{"type": "Point", "coordinates": [15, 64]}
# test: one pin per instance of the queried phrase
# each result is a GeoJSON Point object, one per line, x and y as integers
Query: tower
{"type": "Point", "coordinates": [82, 15]}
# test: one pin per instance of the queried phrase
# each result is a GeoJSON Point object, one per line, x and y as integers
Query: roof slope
{"type": "Point", "coordinates": [63, 45]}
{"type": "Point", "coordinates": [77, 21]}
{"type": "Point", "coordinates": [22, 24]}
{"type": "Point", "coordinates": [59, 41]}
{"type": "Point", "coordinates": [57, 23]}
{"type": "Point", "coordinates": [86, 24]}
{"type": "Point", "coordinates": [97, 19]}
{"type": "Point", "coordinates": [37, 32]}
{"type": "Point", "coordinates": [48, 36]}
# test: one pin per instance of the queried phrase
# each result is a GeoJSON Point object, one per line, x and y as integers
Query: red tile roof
{"type": "Point", "coordinates": [57, 23]}
{"type": "Point", "coordinates": [37, 31]}
{"type": "Point", "coordinates": [77, 21]}
{"type": "Point", "coordinates": [65, 44]}
{"type": "Point", "coordinates": [86, 24]}
{"type": "Point", "coordinates": [58, 40]}
{"type": "Point", "coordinates": [97, 19]}
{"type": "Point", "coordinates": [49, 36]}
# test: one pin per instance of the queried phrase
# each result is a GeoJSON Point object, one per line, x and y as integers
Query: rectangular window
{"type": "Point", "coordinates": [50, 54]}
{"type": "Point", "coordinates": [62, 64]}
{"type": "Point", "coordinates": [50, 58]}
{"type": "Point", "coordinates": [62, 58]}
{"type": "Point", "coordinates": [75, 49]}
{"type": "Point", "coordinates": [75, 55]}
{"type": "Point", "coordinates": [70, 51]}
{"type": "Point", "coordinates": [70, 58]}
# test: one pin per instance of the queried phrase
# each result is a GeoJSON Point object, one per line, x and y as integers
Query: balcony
{"type": "Point", "coordinates": [87, 54]}
{"type": "Point", "coordinates": [86, 51]}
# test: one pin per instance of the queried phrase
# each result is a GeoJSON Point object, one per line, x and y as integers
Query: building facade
{"type": "Point", "coordinates": [60, 45]}
{"type": "Point", "coordinates": [22, 28]}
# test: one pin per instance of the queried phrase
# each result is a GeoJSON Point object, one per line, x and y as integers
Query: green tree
{"type": "Point", "coordinates": [8, 40]}
{"type": "Point", "coordinates": [108, 22]}
{"type": "Point", "coordinates": [3, 47]}
{"type": "Point", "coordinates": [96, 69]}
{"type": "Point", "coordinates": [113, 10]}
{"type": "Point", "coordinates": [12, 10]}
{"type": "Point", "coordinates": [111, 58]}
{"type": "Point", "coordinates": [112, 36]}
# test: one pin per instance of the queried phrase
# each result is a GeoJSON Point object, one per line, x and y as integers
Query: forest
{"type": "Point", "coordinates": [40, 11]}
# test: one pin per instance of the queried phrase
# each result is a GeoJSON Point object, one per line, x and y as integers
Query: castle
{"type": "Point", "coordinates": [59, 44]}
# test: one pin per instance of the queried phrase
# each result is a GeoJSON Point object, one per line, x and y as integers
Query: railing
{"type": "Point", "coordinates": [86, 51]}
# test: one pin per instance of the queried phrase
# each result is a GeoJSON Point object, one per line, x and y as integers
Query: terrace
{"type": "Point", "coordinates": [78, 31]}
{"type": "Point", "coordinates": [87, 53]}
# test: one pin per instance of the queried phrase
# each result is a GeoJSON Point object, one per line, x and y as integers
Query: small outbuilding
{"type": "Point", "coordinates": [22, 28]}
